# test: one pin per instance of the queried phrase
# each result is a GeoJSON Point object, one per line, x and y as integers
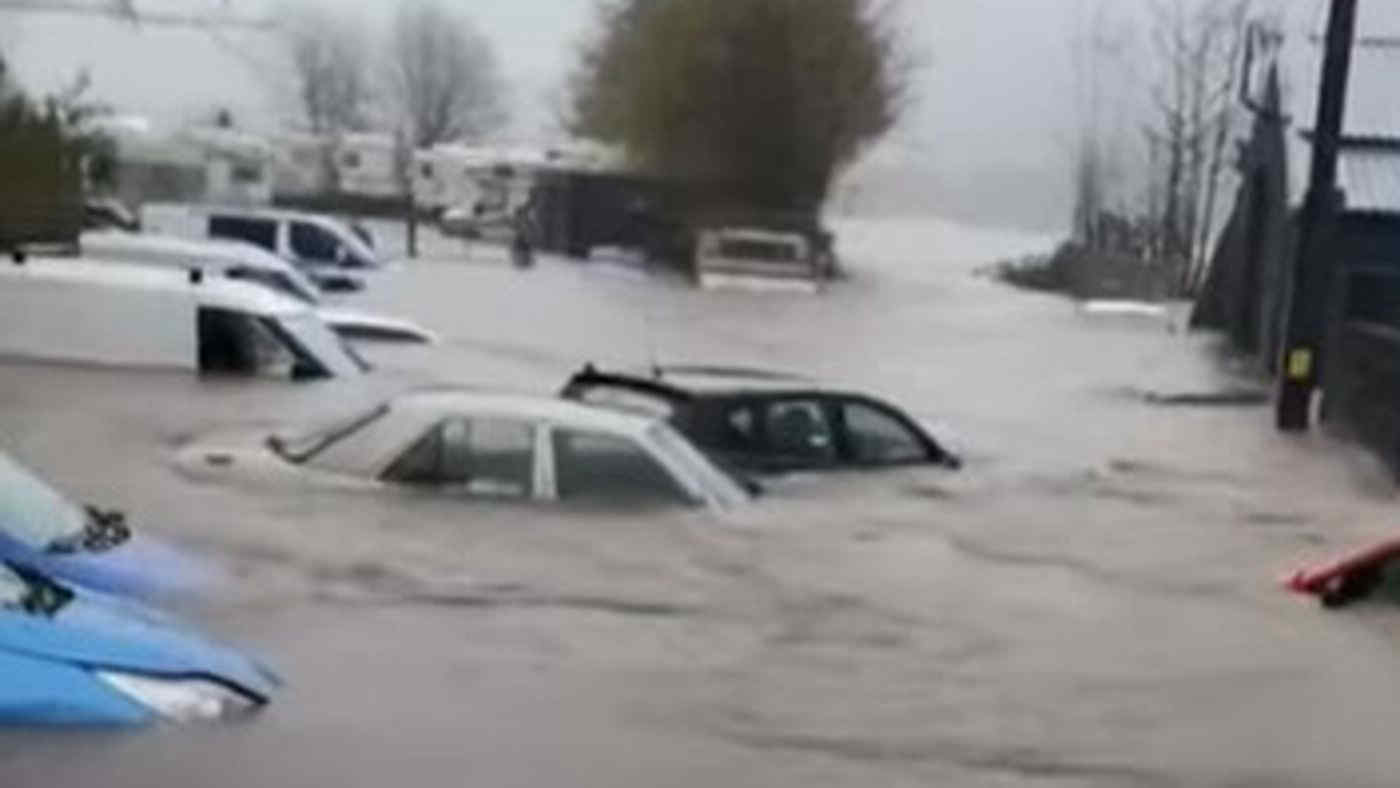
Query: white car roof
{"type": "Point", "coordinates": [559, 412]}
{"type": "Point", "coordinates": [212, 291]}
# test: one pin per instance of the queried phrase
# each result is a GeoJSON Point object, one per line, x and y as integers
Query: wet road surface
{"type": "Point", "coordinates": [1092, 601]}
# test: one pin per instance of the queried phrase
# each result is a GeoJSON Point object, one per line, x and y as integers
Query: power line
{"type": "Point", "coordinates": [126, 11]}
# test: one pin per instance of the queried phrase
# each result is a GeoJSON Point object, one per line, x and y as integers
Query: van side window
{"type": "Point", "coordinates": [235, 343]}
{"type": "Point", "coordinates": [259, 232]}
{"type": "Point", "coordinates": [310, 242]}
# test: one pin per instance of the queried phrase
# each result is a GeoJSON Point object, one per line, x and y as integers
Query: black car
{"type": "Point", "coordinates": [767, 422]}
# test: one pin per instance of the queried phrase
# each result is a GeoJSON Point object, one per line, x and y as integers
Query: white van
{"type": "Point", "coordinates": [307, 240]}
{"type": "Point", "coordinates": [105, 312]}
{"type": "Point", "coordinates": [755, 259]}
{"type": "Point", "coordinates": [245, 262]}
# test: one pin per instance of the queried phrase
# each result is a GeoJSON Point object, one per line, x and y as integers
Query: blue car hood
{"type": "Point", "coordinates": [99, 631]}
{"type": "Point", "coordinates": [140, 567]}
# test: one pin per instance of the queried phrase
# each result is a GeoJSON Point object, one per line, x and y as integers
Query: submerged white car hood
{"type": "Point", "coordinates": [368, 326]}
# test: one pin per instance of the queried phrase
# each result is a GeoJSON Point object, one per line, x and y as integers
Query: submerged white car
{"type": "Point", "coordinates": [480, 445]}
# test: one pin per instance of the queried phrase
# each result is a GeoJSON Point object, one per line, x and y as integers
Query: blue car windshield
{"type": "Point", "coordinates": [13, 589]}
{"type": "Point", "coordinates": [33, 513]}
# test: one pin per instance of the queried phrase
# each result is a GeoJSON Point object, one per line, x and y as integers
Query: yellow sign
{"type": "Point", "coordinates": [1300, 364]}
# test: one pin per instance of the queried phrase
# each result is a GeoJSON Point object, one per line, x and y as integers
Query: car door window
{"type": "Point", "coordinates": [798, 433]}
{"type": "Point", "coordinates": [483, 456]}
{"type": "Point", "coordinates": [876, 437]}
{"type": "Point", "coordinates": [595, 467]}
{"type": "Point", "coordinates": [313, 243]}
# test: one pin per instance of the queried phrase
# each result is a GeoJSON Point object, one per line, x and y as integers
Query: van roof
{"type": "Point", "coordinates": [254, 211]}
{"type": "Point", "coordinates": [113, 243]}
{"type": "Point", "coordinates": [212, 291]}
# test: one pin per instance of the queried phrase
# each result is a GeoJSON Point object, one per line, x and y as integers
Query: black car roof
{"type": "Point", "coordinates": [689, 382]}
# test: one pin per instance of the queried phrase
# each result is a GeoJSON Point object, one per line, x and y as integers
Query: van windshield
{"type": "Point", "coordinates": [325, 347]}
{"type": "Point", "coordinates": [287, 283]}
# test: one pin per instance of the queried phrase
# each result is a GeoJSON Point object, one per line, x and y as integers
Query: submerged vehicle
{"type": "Point", "coordinates": [322, 246]}
{"type": "Point", "coordinates": [768, 422]}
{"type": "Point", "coordinates": [745, 258]}
{"type": "Point", "coordinates": [41, 528]}
{"type": "Point", "coordinates": [108, 313]}
{"type": "Point", "coordinates": [245, 262]}
{"type": "Point", "coordinates": [480, 445]}
{"type": "Point", "coordinates": [71, 656]}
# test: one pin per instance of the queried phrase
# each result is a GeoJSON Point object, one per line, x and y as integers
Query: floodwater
{"type": "Point", "coordinates": [1092, 601]}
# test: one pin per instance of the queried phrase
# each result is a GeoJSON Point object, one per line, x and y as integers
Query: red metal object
{"type": "Point", "coordinates": [1347, 577]}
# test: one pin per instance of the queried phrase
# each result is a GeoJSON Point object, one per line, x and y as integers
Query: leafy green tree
{"type": "Point", "coordinates": [769, 97]}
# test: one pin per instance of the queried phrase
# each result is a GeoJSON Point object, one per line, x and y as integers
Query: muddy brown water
{"type": "Point", "coordinates": [1092, 601]}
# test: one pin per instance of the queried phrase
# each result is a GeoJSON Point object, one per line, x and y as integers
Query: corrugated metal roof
{"type": "Point", "coordinates": [1373, 91]}
{"type": "Point", "coordinates": [1370, 179]}
{"type": "Point", "coordinates": [1370, 175]}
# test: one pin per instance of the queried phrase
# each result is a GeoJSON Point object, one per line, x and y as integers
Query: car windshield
{"type": "Point", "coordinates": [298, 447]}
{"type": "Point", "coordinates": [34, 513]}
{"type": "Point", "coordinates": [713, 483]}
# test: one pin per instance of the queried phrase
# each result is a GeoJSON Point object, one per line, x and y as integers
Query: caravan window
{"type": "Point", "coordinates": [310, 242]}
{"type": "Point", "coordinates": [751, 249]}
{"type": "Point", "coordinates": [260, 232]}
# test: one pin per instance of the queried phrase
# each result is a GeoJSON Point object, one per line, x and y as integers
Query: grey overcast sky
{"type": "Point", "coordinates": [994, 99]}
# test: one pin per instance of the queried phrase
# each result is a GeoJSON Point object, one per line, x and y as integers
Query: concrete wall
{"type": "Point", "coordinates": [1363, 388]}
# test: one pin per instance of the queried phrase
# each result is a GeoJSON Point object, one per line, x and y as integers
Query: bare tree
{"type": "Point", "coordinates": [328, 57]}
{"type": "Point", "coordinates": [444, 75]}
{"type": "Point", "coordinates": [1198, 47]}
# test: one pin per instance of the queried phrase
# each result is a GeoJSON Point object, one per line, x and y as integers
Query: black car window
{"type": "Point", "coordinates": [595, 467]}
{"type": "Point", "coordinates": [486, 457]}
{"type": "Point", "coordinates": [798, 432]}
{"type": "Point", "coordinates": [259, 232]}
{"type": "Point", "coordinates": [310, 242]}
{"type": "Point", "coordinates": [875, 437]}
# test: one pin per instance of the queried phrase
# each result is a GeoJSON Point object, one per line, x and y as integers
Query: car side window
{"type": "Point", "coordinates": [799, 433]}
{"type": "Point", "coordinates": [259, 232]}
{"type": "Point", "coordinates": [310, 242]}
{"type": "Point", "coordinates": [876, 437]}
{"type": "Point", "coordinates": [595, 467]}
{"type": "Point", "coordinates": [484, 457]}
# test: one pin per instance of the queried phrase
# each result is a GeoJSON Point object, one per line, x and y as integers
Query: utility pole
{"type": "Point", "coordinates": [1313, 264]}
